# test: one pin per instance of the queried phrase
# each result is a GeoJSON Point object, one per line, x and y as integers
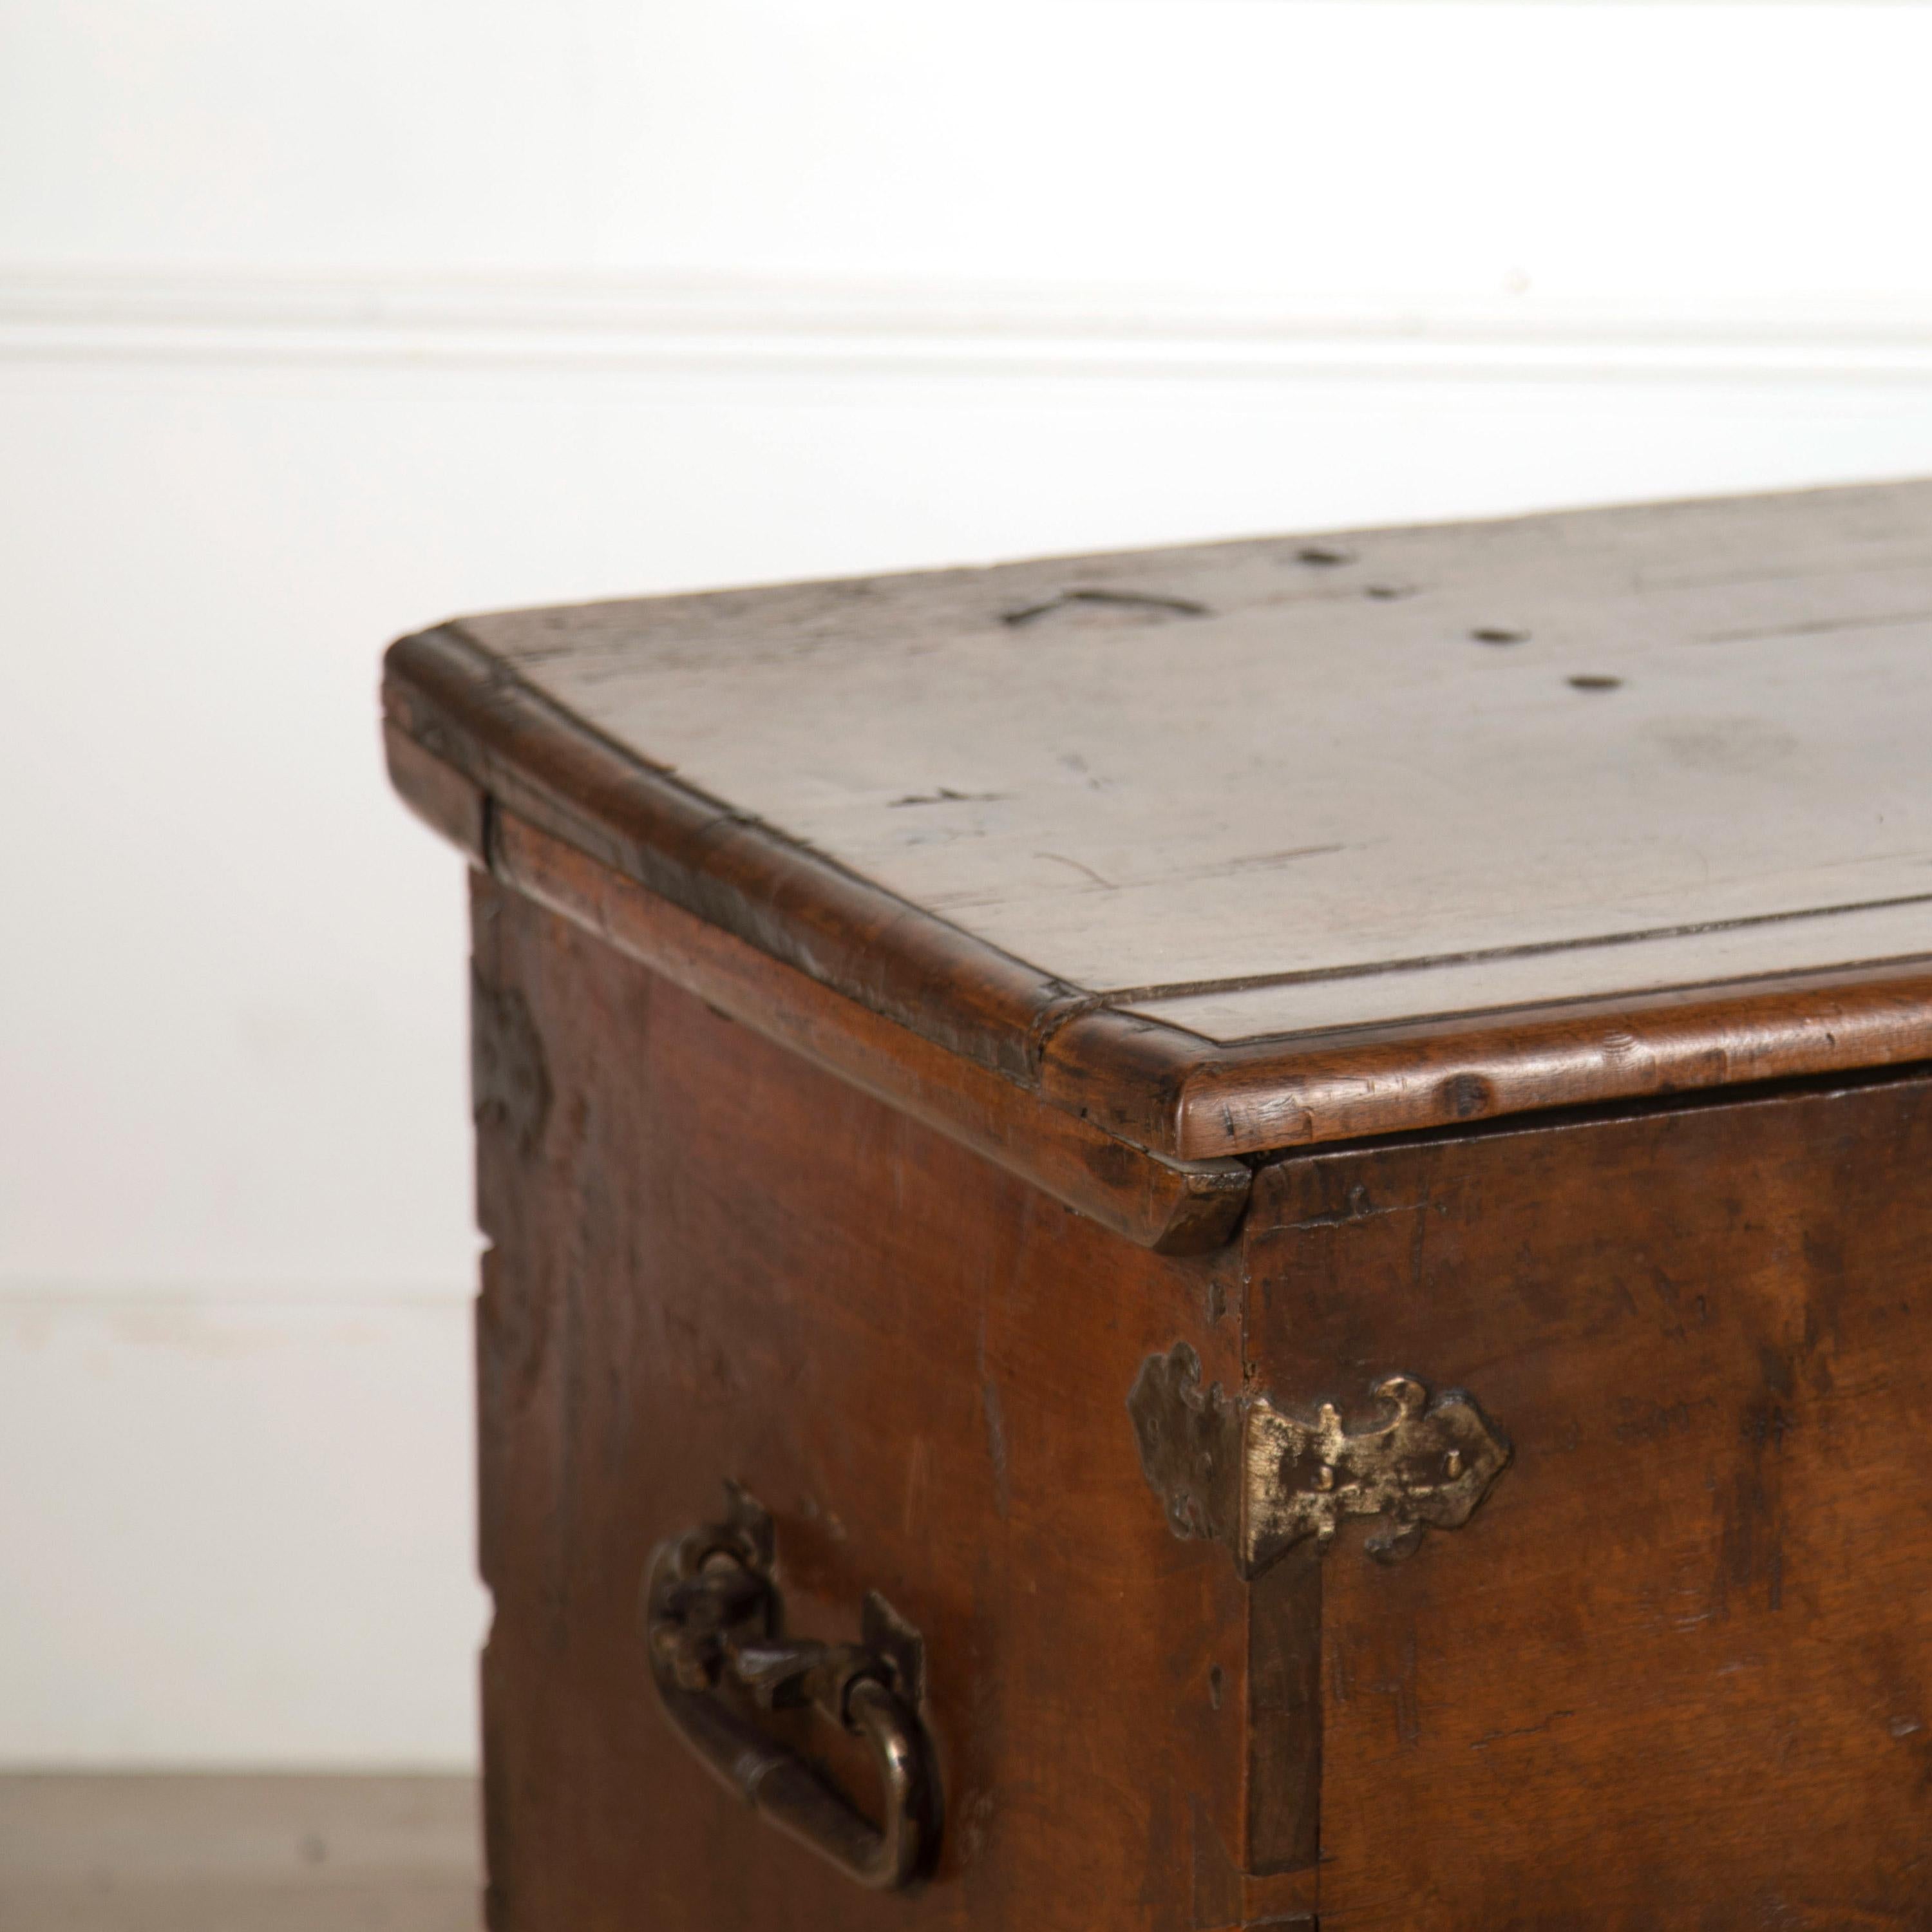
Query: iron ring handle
{"type": "Point", "coordinates": [712, 1614]}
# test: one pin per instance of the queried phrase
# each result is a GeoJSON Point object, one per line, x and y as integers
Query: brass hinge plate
{"type": "Point", "coordinates": [1240, 1471]}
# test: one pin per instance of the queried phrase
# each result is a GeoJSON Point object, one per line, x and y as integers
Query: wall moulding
{"type": "Point", "coordinates": [739, 322]}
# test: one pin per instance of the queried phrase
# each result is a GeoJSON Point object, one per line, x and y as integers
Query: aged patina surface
{"type": "Point", "coordinates": [1112, 1094]}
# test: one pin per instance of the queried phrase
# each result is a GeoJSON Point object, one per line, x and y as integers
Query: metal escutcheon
{"type": "Point", "coordinates": [713, 1623]}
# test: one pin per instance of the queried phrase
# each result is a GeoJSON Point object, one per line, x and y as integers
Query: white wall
{"type": "Point", "coordinates": [322, 319]}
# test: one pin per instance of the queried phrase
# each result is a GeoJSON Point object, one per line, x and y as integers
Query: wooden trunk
{"type": "Point", "coordinates": [1427, 1436]}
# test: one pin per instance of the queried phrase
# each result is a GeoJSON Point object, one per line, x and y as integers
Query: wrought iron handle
{"type": "Point", "coordinates": [713, 1623]}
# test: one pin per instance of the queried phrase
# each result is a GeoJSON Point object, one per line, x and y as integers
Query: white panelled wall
{"type": "Point", "coordinates": [321, 320]}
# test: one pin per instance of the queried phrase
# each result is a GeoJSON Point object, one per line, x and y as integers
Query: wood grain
{"type": "Point", "coordinates": [1166, 1089]}
{"type": "Point", "coordinates": [1176, 1209]}
{"type": "Point", "coordinates": [1674, 1676]}
{"type": "Point", "coordinates": [711, 1258]}
{"type": "Point", "coordinates": [1671, 1676]}
{"type": "Point", "coordinates": [438, 794]}
{"type": "Point", "coordinates": [1231, 762]}
{"type": "Point", "coordinates": [1496, 987]}
{"type": "Point", "coordinates": [469, 710]}
{"type": "Point", "coordinates": [968, 801]}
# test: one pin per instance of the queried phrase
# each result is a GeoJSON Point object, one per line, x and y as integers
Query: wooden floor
{"type": "Point", "coordinates": [238, 1854]}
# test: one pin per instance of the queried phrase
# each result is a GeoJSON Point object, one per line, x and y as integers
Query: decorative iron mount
{"type": "Point", "coordinates": [1239, 1471]}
